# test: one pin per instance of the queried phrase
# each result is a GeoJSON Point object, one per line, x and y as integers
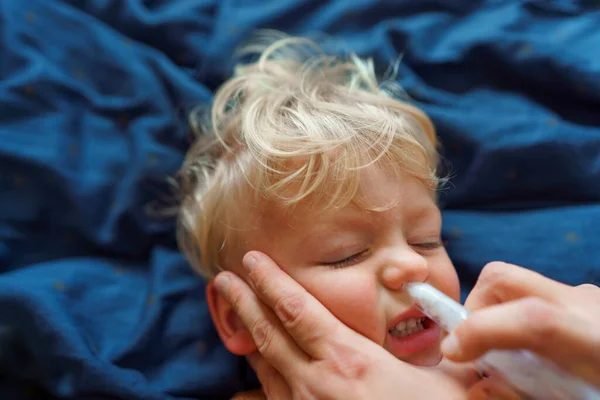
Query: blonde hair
{"type": "Point", "coordinates": [293, 125]}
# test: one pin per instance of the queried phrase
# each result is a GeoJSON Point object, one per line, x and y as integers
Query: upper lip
{"type": "Point", "coordinates": [411, 313]}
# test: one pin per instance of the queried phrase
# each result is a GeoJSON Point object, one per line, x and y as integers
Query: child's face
{"type": "Point", "coordinates": [355, 261]}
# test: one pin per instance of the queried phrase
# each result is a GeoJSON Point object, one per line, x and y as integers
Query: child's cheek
{"type": "Point", "coordinates": [446, 280]}
{"type": "Point", "coordinates": [351, 296]}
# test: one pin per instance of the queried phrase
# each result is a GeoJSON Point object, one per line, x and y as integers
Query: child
{"type": "Point", "coordinates": [310, 160]}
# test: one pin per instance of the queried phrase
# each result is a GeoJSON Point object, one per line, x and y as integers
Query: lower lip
{"type": "Point", "coordinates": [405, 346]}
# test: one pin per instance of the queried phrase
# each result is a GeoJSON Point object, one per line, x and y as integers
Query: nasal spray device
{"type": "Point", "coordinates": [530, 375]}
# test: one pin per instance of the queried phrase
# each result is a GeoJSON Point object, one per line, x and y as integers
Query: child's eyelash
{"type": "Point", "coordinates": [430, 245]}
{"type": "Point", "coordinates": [353, 259]}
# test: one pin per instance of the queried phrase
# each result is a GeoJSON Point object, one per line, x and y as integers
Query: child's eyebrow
{"type": "Point", "coordinates": [335, 226]}
{"type": "Point", "coordinates": [423, 210]}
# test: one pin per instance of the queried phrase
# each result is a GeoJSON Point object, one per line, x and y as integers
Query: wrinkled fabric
{"type": "Point", "coordinates": [95, 299]}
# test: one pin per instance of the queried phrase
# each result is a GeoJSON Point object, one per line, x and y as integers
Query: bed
{"type": "Point", "coordinates": [96, 301]}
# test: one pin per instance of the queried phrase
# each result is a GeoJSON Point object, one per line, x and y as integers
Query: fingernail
{"type": "Point", "coordinates": [222, 283]}
{"type": "Point", "coordinates": [450, 345]}
{"type": "Point", "coordinates": [249, 262]}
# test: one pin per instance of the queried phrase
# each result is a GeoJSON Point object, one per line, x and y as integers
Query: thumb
{"type": "Point", "coordinates": [530, 323]}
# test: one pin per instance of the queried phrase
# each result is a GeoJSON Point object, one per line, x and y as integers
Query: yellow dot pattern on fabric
{"type": "Point", "coordinates": [31, 17]}
{"type": "Point", "coordinates": [18, 180]}
{"type": "Point", "coordinates": [150, 300]}
{"type": "Point", "coordinates": [511, 174]}
{"type": "Point", "coordinates": [123, 121]}
{"type": "Point", "coordinates": [78, 74]}
{"type": "Point", "coordinates": [201, 347]}
{"type": "Point", "coordinates": [526, 49]}
{"type": "Point", "coordinates": [456, 233]}
{"type": "Point", "coordinates": [152, 159]}
{"type": "Point", "coordinates": [69, 238]}
{"type": "Point", "coordinates": [572, 237]}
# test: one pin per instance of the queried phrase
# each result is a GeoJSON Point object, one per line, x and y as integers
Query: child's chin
{"type": "Point", "coordinates": [427, 358]}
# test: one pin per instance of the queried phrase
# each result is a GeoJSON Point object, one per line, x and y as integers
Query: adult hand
{"type": "Point", "coordinates": [515, 308]}
{"type": "Point", "coordinates": [304, 352]}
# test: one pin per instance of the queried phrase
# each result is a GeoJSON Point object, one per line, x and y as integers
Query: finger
{"type": "Point", "coordinates": [252, 395]}
{"type": "Point", "coordinates": [590, 287]}
{"type": "Point", "coordinates": [533, 324]}
{"type": "Point", "coordinates": [500, 282]}
{"type": "Point", "coordinates": [589, 291]}
{"type": "Point", "coordinates": [492, 389]}
{"type": "Point", "coordinates": [311, 325]}
{"type": "Point", "coordinates": [274, 385]}
{"type": "Point", "coordinates": [585, 300]}
{"type": "Point", "coordinates": [271, 340]}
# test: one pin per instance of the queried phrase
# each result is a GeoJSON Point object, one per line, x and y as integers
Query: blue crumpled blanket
{"type": "Point", "coordinates": [95, 299]}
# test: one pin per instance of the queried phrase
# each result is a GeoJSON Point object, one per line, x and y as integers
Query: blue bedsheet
{"type": "Point", "coordinates": [96, 301]}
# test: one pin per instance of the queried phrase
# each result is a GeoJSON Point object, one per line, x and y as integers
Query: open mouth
{"type": "Point", "coordinates": [410, 326]}
{"type": "Point", "coordinates": [412, 335]}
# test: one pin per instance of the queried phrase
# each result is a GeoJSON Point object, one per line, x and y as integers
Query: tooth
{"type": "Point", "coordinates": [411, 323]}
{"type": "Point", "coordinates": [401, 326]}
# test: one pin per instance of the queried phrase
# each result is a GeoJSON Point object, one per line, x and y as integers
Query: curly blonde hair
{"type": "Point", "coordinates": [296, 124]}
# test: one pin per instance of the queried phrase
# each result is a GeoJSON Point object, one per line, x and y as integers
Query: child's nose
{"type": "Point", "coordinates": [407, 268]}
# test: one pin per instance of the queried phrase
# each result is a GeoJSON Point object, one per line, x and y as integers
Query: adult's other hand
{"type": "Point", "coordinates": [516, 308]}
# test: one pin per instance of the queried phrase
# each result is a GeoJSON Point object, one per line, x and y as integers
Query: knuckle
{"type": "Point", "coordinates": [350, 364]}
{"type": "Point", "coordinates": [290, 310]}
{"type": "Point", "coordinates": [263, 332]}
{"type": "Point", "coordinates": [493, 272]}
{"type": "Point", "coordinates": [542, 317]}
{"type": "Point", "coordinates": [585, 297]}
{"type": "Point", "coordinates": [494, 276]}
{"type": "Point", "coordinates": [589, 288]}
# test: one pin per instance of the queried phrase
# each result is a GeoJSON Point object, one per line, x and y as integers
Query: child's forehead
{"type": "Point", "coordinates": [310, 213]}
{"type": "Point", "coordinates": [379, 192]}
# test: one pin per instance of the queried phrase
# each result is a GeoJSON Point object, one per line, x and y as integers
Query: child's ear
{"type": "Point", "coordinates": [230, 328]}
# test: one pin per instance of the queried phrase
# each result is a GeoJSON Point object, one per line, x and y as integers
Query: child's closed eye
{"type": "Point", "coordinates": [348, 261]}
{"type": "Point", "coordinates": [429, 245]}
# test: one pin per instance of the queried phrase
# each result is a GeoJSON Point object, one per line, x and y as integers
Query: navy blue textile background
{"type": "Point", "coordinates": [96, 301]}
